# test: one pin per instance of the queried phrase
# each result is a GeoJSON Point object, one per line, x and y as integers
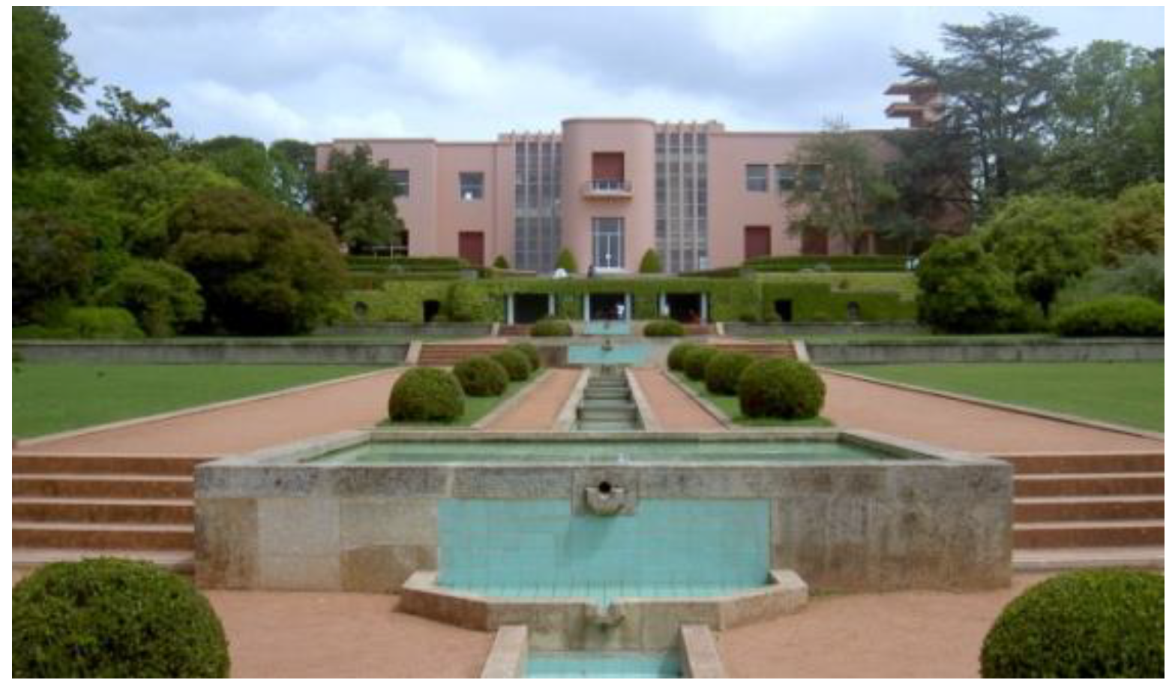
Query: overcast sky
{"type": "Point", "coordinates": [469, 74]}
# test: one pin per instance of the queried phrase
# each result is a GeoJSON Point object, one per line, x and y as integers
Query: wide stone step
{"type": "Point", "coordinates": [608, 414]}
{"type": "Point", "coordinates": [122, 486]}
{"type": "Point", "coordinates": [103, 536]}
{"type": "Point", "coordinates": [1044, 485]}
{"type": "Point", "coordinates": [24, 560]}
{"type": "Point", "coordinates": [598, 425]}
{"type": "Point", "coordinates": [1085, 508]}
{"type": "Point", "coordinates": [164, 511]}
{"type": "Point", "coordinates": [1086, 463]}
{"type": "Point", "coordinates": [1056, 559]}
{"type": "Point", "coordinates": [1117, 533]}
{"type": "Point", "coordinates": [175, 465]}
{"type": "Point", "coordinates": [608, 404]}
{"type": "Point", "coordinates": [607, 394]}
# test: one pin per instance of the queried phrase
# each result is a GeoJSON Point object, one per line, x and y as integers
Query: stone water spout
{"type": "Point", "coordinates": [605, 499]}
{"type": "Point", "coordinates": [608, 617]}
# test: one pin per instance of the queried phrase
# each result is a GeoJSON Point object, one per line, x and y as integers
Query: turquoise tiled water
{"type": "Point", "coordinates": [600, 452]}
{"type": "Point", "coordinates": [579, 665]}
{"type": "Point", "coordinates": [621, 353]}
{"type": "Point", "coordinates": [607, 328]}
{"type": "Point", "coordinates": [669, 548]}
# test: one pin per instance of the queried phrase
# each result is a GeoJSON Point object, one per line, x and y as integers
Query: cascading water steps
{"type": "Point", "coordinates": [607, 403]}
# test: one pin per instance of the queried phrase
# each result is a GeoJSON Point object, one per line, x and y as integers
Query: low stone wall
{"type": "Point", "coordinates": [801, 329]}
{"type": "Point", "coordinates": [240, 351]}
{"type": "Point", "coordinates": [1050, 350]}
{"type": "Point", "coordinates": [926, 519]}
{"type": "Point", "coordinates": [438, 330]}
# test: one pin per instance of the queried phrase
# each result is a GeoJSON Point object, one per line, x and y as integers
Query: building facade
{"type": "Point", "coordinates": [608, 190]}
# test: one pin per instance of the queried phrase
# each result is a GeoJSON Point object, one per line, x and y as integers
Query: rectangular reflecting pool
{"type": "Point", "coordinates": [603, 665]}
{"type": "Point", "coordinates": [601, 452]}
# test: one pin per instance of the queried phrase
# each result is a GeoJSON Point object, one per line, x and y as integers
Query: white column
{"type": "Point", "coordinates": [587, 309]}
{"type": "Point", "coordinates": [705, 308]}
{"type": "Point", "coordinates": [510, 308]}
{"type": "Point", "coordinates": [550, 304]}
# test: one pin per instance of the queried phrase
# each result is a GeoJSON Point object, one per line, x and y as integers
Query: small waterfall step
{"type": "Point", "coordinates": [607, 404]}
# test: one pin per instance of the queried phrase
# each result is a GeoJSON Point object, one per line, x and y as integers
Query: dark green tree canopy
{"type": "Point", "coordinates": [128, 131]}
{"type": "Point", "coordinates": [52, 265]}
{"type": "Point", "coordinates": [46, 84]}
{"type": "Point", "coordinates": [356, 198]}
{"type": "Point", "coordinates": [244, 159]}
{"type": "Point", "coordinates": [293, 166]}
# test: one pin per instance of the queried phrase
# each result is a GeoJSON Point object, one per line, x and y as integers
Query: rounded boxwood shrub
{"type": "Point", "coordinates": [1121, 315]}
{"type": "Point", "coordinates": [781, 389]}
{"type": "Point", "coordinates": [114, 619]}
{"type": "Point", "coordinates": [1087, 624]}
{"type": "Point", "coordinates": [664, 328]}
{"type": "Point", "coordinates": [532, 354]}
{"type": "Point", "coordinates": [481, 376]}
{"type": "Point", "coordinates": [515, 363]}
{"type": "Point", "coordinates": [696, 361]}
{"type": "Point", "coordinates": [677, 355]}
{"type": "Point", "coordinates": [724, 371]}
{"type": "Point", "coordinates": [425, 394]}
{"type": "Point", "coordinates": [550, 328]}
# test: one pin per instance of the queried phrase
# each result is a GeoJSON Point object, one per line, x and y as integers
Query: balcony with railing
{"type": "Point", "coordinates": [608, 188]}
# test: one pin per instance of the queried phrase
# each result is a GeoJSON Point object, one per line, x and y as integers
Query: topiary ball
{"type": "Point", "coordinates": [425, 394]}
{"type": "Point", "coordinates": [1088, 624]}
{"type": "Point", "coordinates": [481, 376]}
{"type": "Point", "coordinates": [516, 364]}
{"type": "Point", "coordinates": [696, 361]}
{"type": "Point", "coordinates": [724, 371]}
{"type": "Point", "coordinates": [678, 354]}
{"type": "Point", "coordinates": [532, 354]}
{"type": "Point", "coordinates": [548, 328]}
{"type": "Point", "coordinates": [781, 389]}
{"type": "Point", "coordinates": [664, 328]}
{"type": "Point", "coordinates": [114, 619]}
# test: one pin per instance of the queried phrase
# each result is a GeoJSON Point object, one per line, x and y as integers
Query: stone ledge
{"type": "Point", "coordinates": [508, 655]}
{"type": "Point", "coordinates": [699, 653]}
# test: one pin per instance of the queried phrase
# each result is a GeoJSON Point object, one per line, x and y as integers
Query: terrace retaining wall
{"type": "Point", "coordinates": [258, 351]}
{"type": "Point", "coordinates": [1059, 350]}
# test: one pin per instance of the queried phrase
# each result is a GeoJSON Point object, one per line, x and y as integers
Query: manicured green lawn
{"type": "Point", "coordinates": [47, 398]}
{"type": "Point", "coordinates": [1129, 393]}
{"type": "Point", "coordinates": [475, 409]}
{"type": "Point", "coordinates": [728, 404]}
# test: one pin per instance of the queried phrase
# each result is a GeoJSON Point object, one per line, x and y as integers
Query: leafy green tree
{"type": "Point", "coordinates": [52, 265]}
{"type": "Point", "coordinates": [243, 159]}
{"type": "Point", "coordinates": [129, 130]}
{"type": "Point", "coordinates": [263, 269]}
{"type": "Point", "coordinates": [356, 198]}
{"type": "Point", "coordinates": [930, 176]}
{"type": "Point", "coordinates": [852, 192]}
{"type": "Point", "coordinates": [45, 86]}
{"type": "Point", "coordinates": [1107, 125]}
{"type": "Point", "coordinates": [293, 166]}
{"type": "Point", "coordinates": [998, 80]}
{"type": "Point", "coordinates": [1044, 241]}
{"type": "Point", "coordinates": [961, 289]}
{"type": "Point", "coordinates": [161, 296]}
{"type": "Point", "coordinates": [1135, 224]}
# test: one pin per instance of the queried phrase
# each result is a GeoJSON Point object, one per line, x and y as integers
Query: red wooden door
{"type": "Point", "coordinates": [756, 241]}
{"type": "Point", "coordinates": [471, 247]}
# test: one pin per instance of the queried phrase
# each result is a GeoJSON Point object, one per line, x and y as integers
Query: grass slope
{"type": "Point", "coordinates": [1129, 393]}
{"type": "Point", "coordinates": [47, 398]}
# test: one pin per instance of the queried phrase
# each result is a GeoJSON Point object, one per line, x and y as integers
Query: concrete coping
{"type": "Point", "coordinates": [565, 420]}
{"type": "Point", "coordinates": [508, 655]}
{"type": "Point", "coordinates": [699, 653]}
{"type": "Point", "coordinates": [648, 418]}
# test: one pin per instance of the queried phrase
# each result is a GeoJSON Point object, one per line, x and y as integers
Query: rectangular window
{"type": "Point", "coordinates": [757, 178]}
{"type": "Point", "coordinates": [812, 177]}
{"type": "Point", "coordinates": [785, 177]}
{"type": "Point", "coordinates": [608, 242]}
{"type": "Point", "coordinates": [472, 185]}
{"type": "Point", "coordinates": [401, 179]}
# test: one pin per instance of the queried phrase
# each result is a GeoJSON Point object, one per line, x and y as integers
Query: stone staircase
{"type": "Point", "coordinates": [1078, 509]}
{"type": "Point", "coordinates": [783, 349]}
{"type": "Point", "coordinates": [69, 507]}
{"type": "Point", "coordinates": [607, 404]}
{"type": "Point", "coordinates": [449, 354]}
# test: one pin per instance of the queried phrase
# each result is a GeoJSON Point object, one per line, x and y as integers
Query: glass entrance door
{"type": "Point", "coordinates": [608, 242]}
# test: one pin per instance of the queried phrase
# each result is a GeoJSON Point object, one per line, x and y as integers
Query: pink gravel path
{"type": "Point", "coordinates": [326, 408]}
{"type": "Point", "coordinates": [855, 403]}
{"type": "Point", "coordinates": [341, 635]}
{"type": "Point", "coordinates": [673, 408]}
{"type": "Point", "coordinates": [539, 409]}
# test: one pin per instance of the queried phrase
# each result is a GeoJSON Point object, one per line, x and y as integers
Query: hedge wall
{"type": "Point", "coordinates": [744, 299]}
{"type": "Point", "coordinates": [835, 263]}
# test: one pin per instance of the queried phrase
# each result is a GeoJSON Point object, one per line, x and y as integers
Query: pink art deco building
{"type": "Point", "coordinates": [610, 189]}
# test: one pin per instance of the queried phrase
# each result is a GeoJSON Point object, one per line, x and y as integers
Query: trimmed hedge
{"type": "Point", "coordinates": [678, 354]}
{"type": "Point", "coordinates": [696, 361]}
{"type": "Point", "coordinates": [1122, 315]}
{"type": "Point", "coordinates": [114, 619]}
{"type": "Point", "coordinates": [1089, 625]}
{"type": "Point", "coordinates": [515, 364]}
{"type": "Point", "coordinates": [835, 263]}
{"type": "Point", "coordinates": [481, 376]}
{"type": "Point", "coordinates": [548, 328]}
{"type": "Point", "coordinates": [425, 394]}
{"type": "Point", "coordinates": [651, 262]}
{"type": "Point", "coordinates": [664, 328]}
{"type": "Point", "coordinates": [724, 371]}
{"type": "Point", "coordinates": [780, 389]}
{"type": "Point", "coordinates": [531, 353]}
